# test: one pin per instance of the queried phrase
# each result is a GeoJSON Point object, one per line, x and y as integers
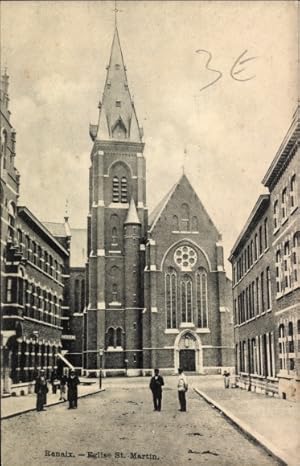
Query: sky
{"type": "Point", "coordinates": [230, 121]}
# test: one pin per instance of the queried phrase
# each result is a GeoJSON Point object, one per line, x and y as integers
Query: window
{"type": "Point", "coordinates": [115, 228]}
{"type": "Point", "coordinates": [266, 233]}
{"type": "Point", "coordinates": [76, 295]}
{"type": "Point", "coordinates": [115, 189]}
{"type": "Point", "coordinates": [185, 258]}
{"type": "Point", "coordinates": [185, 217]}
{"type": "Point", "coordinates": [9, 287]}
{"type": "Point", "coordinates": [118, 103]}
{"type": "Point", "coordinates": [251, 253]}
{"type": "Point", "coordinates": [186, 288]}
{"type": "Point", "coordinates": [260, 241]}
{"type": "Point", "coordinates": [119, 337]}
{"type": "Point", "coordinates": [282, 347]}
{"type": "Point", "coordinates": [110, 337]}
{"type": "Point", "coordinates": [34, 252]}
{"type": "Point", "coordinates": [293, 192]}
{"type": "Point", "coordinates": [255, 247]}
{"type": "Point", "coordinates": [257, 296]}
{"type": "Point", "coordinates": [82, 298]}
{"type": "Point", "coordinates": [201, 293]}
{"type": "Point", "coordinates": [262, 292]}
{"type": "Point", "coordinates": [286, 266]}
{"type": "Point", "coordinates": [117, 66]}
{"type": "Point", "coordinates": [124, 193]}
{"type": "Point", "coordinates": [20, 240]}
{"type": "Point", "coordinates": [39, 257]}
{"type": "Point", "coordinates": [283, 203]}
{"type": "Point", "coordinates": [195, 224]}
{"type": "Point", "coordinates": [291, 348]}
{"type": "Point", "coordinates": [11, 220]}
{"type": "Point", "coordinates": [268, 287]}
{"type": "Point", "coordinates": [27, 246]}
{"type": "Point", "coordinates": [295, 258]}
{"type": "Point", "coordinates": [175, 223]}
{"type": "Point", "coordinates": [278, 272]}
{"type": "Point", "coordinates": [275, 215]}
{"type": "Point", "coordinates": [46, 261]}
{"type": "Point", "coordinates": [171, 298]}
{"type": "Point", "coordinates": [50, 265]}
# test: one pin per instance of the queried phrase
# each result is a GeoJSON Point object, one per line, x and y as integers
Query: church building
{"type": "Point", "coordinates": [158, 295]}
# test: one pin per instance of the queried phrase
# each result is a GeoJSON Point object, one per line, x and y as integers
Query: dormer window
{"type": "Point", "coordinates": [118, 103]}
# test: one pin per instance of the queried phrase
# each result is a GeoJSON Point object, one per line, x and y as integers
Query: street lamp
{"type": "Point", "coordinates": [126, 365]}
{"type": "Point", "coordinates": [100, 372]}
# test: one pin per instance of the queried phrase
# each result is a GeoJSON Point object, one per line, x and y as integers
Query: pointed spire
{"type": "Point", "coordinates": [132, 215]}
{"type": "Point", "coordinates": [117, 116]}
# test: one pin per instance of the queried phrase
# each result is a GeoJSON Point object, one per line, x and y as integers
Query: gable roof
{"type": "Point", "coordinates": [159, 209]}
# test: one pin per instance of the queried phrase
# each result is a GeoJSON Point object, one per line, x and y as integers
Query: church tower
{"type": "Point", "coordinates": [117, 226]}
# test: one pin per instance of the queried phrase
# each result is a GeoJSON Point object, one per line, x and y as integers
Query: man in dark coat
{"type": "Point", "coordinates": [73, 382]}
{"type": "Point", "coordinates": [41, 391]}
{"type": "Point", "coordinates": [156, 384]}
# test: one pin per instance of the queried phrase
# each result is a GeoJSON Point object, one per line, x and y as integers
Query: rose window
{"type": "Point", "coordinates": [185, 257]}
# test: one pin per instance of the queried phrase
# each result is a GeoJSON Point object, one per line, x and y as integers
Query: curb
{"type": "Point", "coordinates": [18, 413]}
{"type": "Point", "coordinates": [248, 431]}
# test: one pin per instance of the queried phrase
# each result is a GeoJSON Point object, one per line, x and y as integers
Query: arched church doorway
{"type": "Point", "coordinates": [187, 360]}
{"type": "Point", "coordinates": [188, 352]}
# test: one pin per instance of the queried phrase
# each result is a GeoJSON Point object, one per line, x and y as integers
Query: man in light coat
{"type": "Point", "coordinates": [182, 387]}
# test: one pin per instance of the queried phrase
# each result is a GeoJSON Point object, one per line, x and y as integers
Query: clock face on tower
{"type": "Point", "coordinates": [185, 258]}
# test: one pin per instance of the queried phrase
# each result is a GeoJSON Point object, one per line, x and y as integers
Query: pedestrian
{"type": "Point", "coordinates": [182, 387]}
{"type": "Point", "coordinates": [41, 391]}
{"type": "Point", "coordinates": [62, 387]}
{"type": "Point", "coordinates": [226, 376]}
{"type": "Point", "coordinates": [54, 381]}
{"type": "Point", "coordinates": [73, 382]}
{"type": "Point", "coordinates": [156, 384]}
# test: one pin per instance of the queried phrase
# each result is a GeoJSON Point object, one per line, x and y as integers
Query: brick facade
{"type": "Point", "coordinates": [267, 329]}
{"type": "Point", "coordinates": [128, 262]}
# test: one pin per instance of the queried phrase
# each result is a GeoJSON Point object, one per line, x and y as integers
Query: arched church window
{"type": "Point", "coordinates": [171, 298]}
{"type": "Point", "coordinates": [124, 193]}
{"type": "Point", "coordinates": [115, 227]}
{"type": "Point", "coordinates": [195, 223]}
{"type": "Point", "coordinates": [115, 189]}
{"type": "Point", "coordinates": [175, 223]}
{"type": "Point", "coordinates": [114, 236]}
{"type": "Point", "coordinates": [185, 217]}
{"type": "Point", "coordinates": [186, 288]}
{"type": "Point", "coordinates": [201, 293]}
{"type": "Point", "coordinates": [119, 337]}
{"type": "Point", "coordinates": [110, 337]}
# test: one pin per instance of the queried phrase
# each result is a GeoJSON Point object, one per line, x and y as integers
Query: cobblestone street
{"type": "Point", "coordinates": [118, 426]}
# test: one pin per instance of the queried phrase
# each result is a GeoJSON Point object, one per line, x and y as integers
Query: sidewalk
{"type": "Point", "coordinates": [272, 422]}
{"type": "Point", "coordinates": [16, 405]}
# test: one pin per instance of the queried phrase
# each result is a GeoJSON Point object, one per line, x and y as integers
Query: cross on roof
{"type": "Point", "coordinates": [116, 10]}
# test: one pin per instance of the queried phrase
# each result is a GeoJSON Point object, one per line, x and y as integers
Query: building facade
{"type": "Point", "coordinates": [157, 293]}
{"type": "Point", "coordinates": [266, 289]}
{"type": "Point", "coordinates": [253, 301]}
{"type": "Point", "coordinates": [33, 301]}
{"type": "Point", "coordinates": [282, 181]}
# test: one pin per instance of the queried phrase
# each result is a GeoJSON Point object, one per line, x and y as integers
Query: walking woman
{"type": "Point", "coordinates": [41, 391]}
{"type": "Point", "coordinates": [73, 382]}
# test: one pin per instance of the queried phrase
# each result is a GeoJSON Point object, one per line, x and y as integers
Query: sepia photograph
{"type": "Point", "coordinates": [150, 232]}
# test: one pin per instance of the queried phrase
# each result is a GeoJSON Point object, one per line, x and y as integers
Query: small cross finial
{"type": "Point", "coordinates": [116, 10]}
